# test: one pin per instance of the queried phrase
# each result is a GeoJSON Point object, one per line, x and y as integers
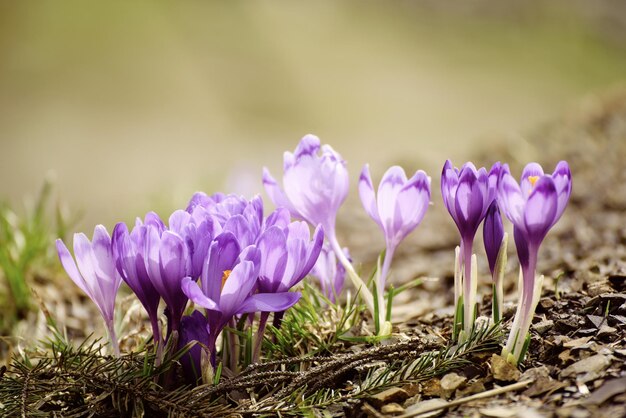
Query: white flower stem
{"type": "Point", "coordinates": [380, 286]}
{"type": "Point", "coordinates": [458, 291]}
{"type": "Point", "coordinates": [498, 280]}
{"type": "Point", "coordinates": [470, 298]}
{"type": "Point", "coordinates": [113, 338]}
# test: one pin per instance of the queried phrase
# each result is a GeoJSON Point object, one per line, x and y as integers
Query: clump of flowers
{"type": "Point", "coordinates": [221, 264]}
{"type": "Point", "coordinates": [315, 186]}
{"type": "Point", "coordinates": [533, 205]}
{"type": "Point", "coordinates": [467, 194]}
{"type": "Point", "coordinates": [220, 253]}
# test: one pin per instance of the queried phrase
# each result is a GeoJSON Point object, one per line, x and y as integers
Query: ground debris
{"type": "Point", "coordinates": [589, 367]}
{"type": "Point", "coordinates": [504, 371]}
{"type": "Point", "coordinates": [394, 394]}
{"type": "Point", "coordinates": [450, 383]}
{"type": "Point", "coordinates": [607, 391]}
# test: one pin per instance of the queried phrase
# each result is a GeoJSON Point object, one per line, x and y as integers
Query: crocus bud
{"type": "Point", "coordinates": [330, 272]}
{"type": "Point", "coordinates": [493, 232]}
{"type": "Point", "coordinates": [94, 272]}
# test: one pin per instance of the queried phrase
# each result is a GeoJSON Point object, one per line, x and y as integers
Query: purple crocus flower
{"type": "Point", "coordinates": [467, 194]}
{"type": "Point", "coordinates": [315, 186]}
{"type": "Point", "coordinates": [203, 200]}
{"type": "Point", "coordinates": [533, 206]}
{"type": "Point", "coordinates": [233, 213]}
{"type": "Point", "coordinates": [168, 260]}
{"type": "Point", "coordinates": [95, 273]}
{"type": "Point", "coordinates": [128, 252]}
{"type": "Point", "coordinates": [228, 280]}
{"type": "Point", "coordinates": [193, 328]}
{"type": "Point", "coordinates": [330, 272]}
{"type": "Point", "coordinates": [495, 242]}
{"type": "Point", "coordinates": [287, 256]}
{"type": "Point", "coordinates": [398, 209]}
{"type": "Point", "coordinates": [493, 234]}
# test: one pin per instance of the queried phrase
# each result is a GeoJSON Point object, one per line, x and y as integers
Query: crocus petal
{"type": "Point", "coordinates": [367, 195]}
{"type": "Point", "coordinates": [105, 265]}
{"type": "Point", "coordinates": [411, 204]}
{"type": "Point", "coordinates": [493, 233]}
{"type": "Point", "coordinates": [308, 145]}
{"type": "Point", "coordinates": [512, 200]}
{"type": "Point", "coordinates": [193, 328]}
{"type": "Point", "coordinates": [86, 265]}
{"type": "Point", "coordinates": [199, 239]}
{"type": "Point", "coordinates": [252, 254]}
{"type": "Point", "coordinates": [313, 253]}
{"type": "Point", "coordinates": [273, 246]}
{"type": "Point", "coordinates": [335, 173]}
{"type": "Point", "coordinates": [94, 269]}
{"type": "Point", "coordinates": [391, 183]}
{"type": "Point", "coordinates": [152, 259]}
{"type": "Point", "coordinates": [449, 183]}
{"type": "Point", "coordinates": [469, 201]}
{"type": "Point", "coordinates": [494, 177]}
{"type": "Point", "coordinates": [152, 219]}
{"type": "Point", "coordinates": [172, 256]}
{"type": "Point", "coordinates": [221, 257]}
{"type": "Point", "coordinates": [305, 190]}
{"type": "Point", "coordinates": [238, 286]}
{"type": "Point", "coordinates": [199, 199]}
{"type": "Point", "coordinates": [563, 183]}
{"type": "Point", "coordinates": [276, 194]}
{"type": "Point", "coordinates": [280, 217]}
{"type": "Point", "coordinates": [240, 228]}
{"type": "Point", "coordinates": [269, 302]}
{"type": "Point", "coordinates": [521, 244]}
{"type": "Point", "coordinates": [108, 279]}
{"type": "Point", "coordinates": [191, 289]}
{"type": "Point", "coordinates": [468, 166]}
{"type": "Point", "coordinates": [68, 263]}
{"type": "Point", "coordinates": [540, 210]}
{"type": "Point", "coordinates": [130, 266]}
{"type": "Point", "coordinates": [178, 221]}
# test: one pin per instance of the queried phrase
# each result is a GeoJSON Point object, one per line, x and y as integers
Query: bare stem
{"type": "Point", "coordinates": [358, 283]}
{"type": "Point", "coordinates": [113, 338]}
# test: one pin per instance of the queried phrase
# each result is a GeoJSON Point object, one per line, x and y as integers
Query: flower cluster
{"type": "Point", "coordinates": [228, 261]}
{"type": "Point", "coordinates": [315, 186]}
{"type": "Point", "coordinates": [467, 194]}
{"type": "Point", "coordinates": [220, 253]}
{"type": "Point", "coordinates": [533, 206]}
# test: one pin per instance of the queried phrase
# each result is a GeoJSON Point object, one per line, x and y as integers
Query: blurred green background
{"type": "Point", "coordinates": [135, 105]}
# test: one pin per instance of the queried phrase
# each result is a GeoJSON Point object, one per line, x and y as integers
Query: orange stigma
{"type": "Point", "coordinates": [225, 277]}
{"type": "Point", "coordinates": [533, 180]}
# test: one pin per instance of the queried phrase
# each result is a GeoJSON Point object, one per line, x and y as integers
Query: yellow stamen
{"type": "Point", "coordinates": [533, 180]}
{"type": "Point", "coordinates": [225, 277]}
